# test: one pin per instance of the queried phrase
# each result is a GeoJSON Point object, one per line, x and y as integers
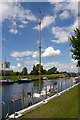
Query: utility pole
{"type": "Point", "coordinates": [40, 53]}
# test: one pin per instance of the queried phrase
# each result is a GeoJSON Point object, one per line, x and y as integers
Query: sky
{"type": "Point", "coordinates": [20, 34]}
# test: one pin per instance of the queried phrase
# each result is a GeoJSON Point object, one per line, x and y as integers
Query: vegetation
{"type": "Point", "coordinates": [75, 43]}
{"type": "Point", "coordinates": [35, 77]}
{"type": "Point", "coordinates": [35, 70]}
{"type": "Point", "coordinates": [24, 71]}
{"type": "Point", "coordinates": [52, 70]}
{"type": "Point", "coordinates": [34, 74]}
{"type": "Point", "coordinates": [64, 106]}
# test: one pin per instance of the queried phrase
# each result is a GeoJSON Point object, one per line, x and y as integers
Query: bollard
{"type": "Point", "coordinates": [61, 85]}
{"type": "Point", "coordinates": [32, 96]}
{"type": "Point", "coordinates": [46, 92]}
{"type": "Point", "coordinates": [23, 99]}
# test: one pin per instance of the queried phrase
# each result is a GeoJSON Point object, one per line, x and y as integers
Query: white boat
{"type": "Point", "coordinates": [24, 80]}
{"type": "Point", "coordinates": [76, 79]}
{"type": "Point", "coordinates": [45, 78]}
{"type": "Point", "coordinates": [6, 82]}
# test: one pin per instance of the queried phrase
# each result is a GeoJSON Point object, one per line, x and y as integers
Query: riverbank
{"type": "Point", "coordinates": [34, 77]}
{"type": "Point", "coordinates": [63, 106]}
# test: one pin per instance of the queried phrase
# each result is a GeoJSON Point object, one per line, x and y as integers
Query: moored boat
{"type": "Point", "coordinates": [24, 80]}
{"type": "Point", "coordinates": [45, 78]}
{"type": "Point", "coordinates": [6, 82]}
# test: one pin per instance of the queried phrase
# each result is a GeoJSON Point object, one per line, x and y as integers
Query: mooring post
{"type": "Point", "coordinates": [71, 83]}
{"type": "Point", "coordinates": [53, 88]}
{"type": "Point", "coordinates": [65, 83]}
{"type": "Point", "coordinates": [68, 83]}
{"type": "Point", "coordinates": [8, 107]}
{"type": "Point", "coordinates": [46, 92]}
{"type": "Point", "coordinates": [50, 90]}
{"type": "Point", "coordinates": [32, 96]}
{"type": "Point", "coordinates": [58, 87]}
{"type": "Point", "coordinates": [61, 85]}
{"type": "Point", "coordinates": [14, 109]}
{"type": "Point", "coordinates": [23, 99]}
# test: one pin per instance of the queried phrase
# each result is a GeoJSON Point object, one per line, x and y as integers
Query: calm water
{"type": "Point", "coordinates": [14, 91]}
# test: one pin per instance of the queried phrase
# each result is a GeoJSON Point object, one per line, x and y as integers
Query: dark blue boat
{"type": "Point", "coordinates": [24, 80]}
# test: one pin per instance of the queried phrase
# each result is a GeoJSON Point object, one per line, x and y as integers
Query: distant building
{"type": "Point", "coordinates": [5, 66]}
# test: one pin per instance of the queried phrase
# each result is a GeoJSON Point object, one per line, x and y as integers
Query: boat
{"type": "Point", "coordinates": [76, 79]}
{"type": "Point", "coordinates": [6, 81]}
{"type": "Point", "coordinates": [45, 78]}
{"type": "Point", "coordinates": [62, 76]}
{"type": "Point", "coordinates": [24, 80]}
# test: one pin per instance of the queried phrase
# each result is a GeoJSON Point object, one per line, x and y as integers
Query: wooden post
{"type": "Point", "coordinates": [8, 107]}
{"type": "Point", "coordinates": [40, 53]}
{"type": "Point", "coordinates": [46, 92]}
{"type": "Point", "coordinates": [58, 87]}
{"type": "Point", "coordinates": [14, 109]}
{"type": "Point", "coordinates": [68, 83]}
{"type": "Point", "coordinates": [32, 96]}
{"type": "Point", "coordinates": [50, 90]}
{"type": "Point", "coordinates": [23, 99]}
{"type": "Point", "coordinates": [65, 83]}
{"type": "Point", "coordinates": [61, 85]}
{"type": "Point", "coordinates": [53, 88]}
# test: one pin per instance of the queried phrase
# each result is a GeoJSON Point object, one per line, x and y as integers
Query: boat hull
{"type": "Point", "coordinates": [24, 81]}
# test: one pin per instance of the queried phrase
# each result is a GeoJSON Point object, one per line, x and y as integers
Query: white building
{"type": "Point", "coordinates": [5, 66]}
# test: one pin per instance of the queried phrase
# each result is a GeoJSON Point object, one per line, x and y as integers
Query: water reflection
{"type": "Point", "coordinates": [14, 91]}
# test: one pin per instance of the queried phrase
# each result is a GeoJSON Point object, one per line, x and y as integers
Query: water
{"type": "Point", "coordinates": [14, 91]}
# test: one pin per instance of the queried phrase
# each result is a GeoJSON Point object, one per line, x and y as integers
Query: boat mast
{"type": "Point", "coordinates": [40, 52]}
{"type": "Point", "coordinates": [4, 66]}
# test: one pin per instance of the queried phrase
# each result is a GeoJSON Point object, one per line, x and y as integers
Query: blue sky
{"type": "Point", "coordinates": [20, 34]}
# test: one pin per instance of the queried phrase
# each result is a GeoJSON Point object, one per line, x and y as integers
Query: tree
{"type": "Point", "coordinates": [52, 70]}
{"type": "Point", "coordinates": [24, 72]}
{"type": "Point", "coordinates": [35, 70]}
{"type": "Point", "coordinates": [75, 43]}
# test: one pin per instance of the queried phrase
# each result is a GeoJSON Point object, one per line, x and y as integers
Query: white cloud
{"type": "Point", "coordinates": [21, 54]}
{"type": "Point", "coordinates": [74, 61]}
{"type": "Point", "coordinates": [50, 52]}
{"type": "Point", "coordinates": [61, 34]}
{"type": "Point", "coordinates": [21, 26]}
{"type": "Point", "coordinates": [64, 15]}
{"type": "Point", "coordinates": [24, 22]}
{"type": "Point", "coordinates": [64, 5]}
{"type": "Point", "coordinates": [19, 59]}
{"type": "Point", "coordinates": [69, 67]}
{"type": "Point", "coordinates": [18, 65]}
{"type": "Point", "coordinates": [31, 62]}
{"type": "Point", "coordinates": [13, 10]}
{"type": "Point", "coordinates": [15, 13]}
{"type": "Point", "coordinates": [13, 31]}
{"type": "Point", "coordinates": [46, 21]}
{"type": "Point", "coordinates": [35, 54]}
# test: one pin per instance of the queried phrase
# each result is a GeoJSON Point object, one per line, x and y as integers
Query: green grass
{"type": "Point", "coordinates": [34, 77]}
{"type": "Point", "coordinates": [64, 106]}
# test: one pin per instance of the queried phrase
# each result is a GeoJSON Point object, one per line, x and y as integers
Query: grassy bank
{"type": "Point", "coordinates": [64, 106]}
{"type": "Point", "coordinates": [34, 77]}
